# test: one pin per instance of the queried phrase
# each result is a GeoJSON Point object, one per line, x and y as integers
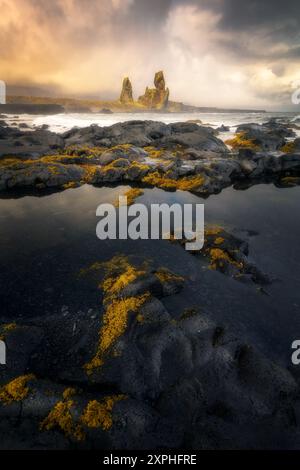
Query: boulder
{"type": "Point", "coordinates": [269, 136]}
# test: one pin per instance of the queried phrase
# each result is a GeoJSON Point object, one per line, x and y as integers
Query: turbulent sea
{"type": "Point", "coordinates": [63, 122]}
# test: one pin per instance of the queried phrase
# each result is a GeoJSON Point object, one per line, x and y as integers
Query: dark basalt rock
{"type": "Point", "coordinates": [269, 136]}
{"type": "Point", "coordinates": [37, 142]}
{"type": "Point", "coordinates": [146, 133]}
{"type": "Point", "coordinates": [172, 152]}
{"type": "Point", "coordinates": [184, 381]}
{"type": "Point", "coordinates": [223, 128]}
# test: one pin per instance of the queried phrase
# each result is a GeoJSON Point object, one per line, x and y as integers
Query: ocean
{"type": "Point", "coordinates": [63, 122]}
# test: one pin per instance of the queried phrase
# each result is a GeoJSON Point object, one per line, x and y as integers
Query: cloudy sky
{"type": "Point", "coordinates": [213, 52]}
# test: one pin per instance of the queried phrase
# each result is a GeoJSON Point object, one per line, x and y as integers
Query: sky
{"type": "Point", "coordinates": [226, 53]}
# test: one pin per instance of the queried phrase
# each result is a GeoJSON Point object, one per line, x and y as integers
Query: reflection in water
{"type": "Point", "coordinates": [45, 241]}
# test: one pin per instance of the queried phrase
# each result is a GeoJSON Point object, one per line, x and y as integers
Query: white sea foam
{"type": "Point", "coordinates": [63, 122]}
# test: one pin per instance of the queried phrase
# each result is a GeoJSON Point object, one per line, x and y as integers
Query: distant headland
{"type": "Point", "coordinates": [153, 100]}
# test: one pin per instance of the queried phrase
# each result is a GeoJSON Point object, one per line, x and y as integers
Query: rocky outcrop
{"type": "Point", "coordinates": [269, 136]}
{"type": "Point", "coordinates": [126, 93]}
{"type": "Point", "coordinates": [158, 97]}
{"type": "Point", "coordinates": [139, 376]}
{"type": "Point", "coordinates": [182, 156]}
{"type": "Point", "coordinates": [143, 133]}
{"type": "Point", "coordinates": [15, 141]}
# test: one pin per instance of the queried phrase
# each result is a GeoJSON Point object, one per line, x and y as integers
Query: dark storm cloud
{"type": "Point", "coordinates": [248, 15]}
{"type": "Point", "coordinates": [76, 44]}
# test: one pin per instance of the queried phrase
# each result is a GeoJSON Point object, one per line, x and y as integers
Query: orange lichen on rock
{"type": "Point", "coordinates": [60, 417]}
{"type": "Point", "coordinates": [16, 390]}
{"type": "Point", "coordinates": [132, 194]}
{"type": "Point", "coordinates": [290, 181]}
{"type": "Point", "coordinates": [165, 275]}
{"type": "Point", "coordinates": [7, 328]}
{"type": "Point", "coordinates": [114, 325]}
{"type": "Point", "coordinates": [99, 414]}
{"type": "Point", "coordinates": [218, 257]}
{"type": "Point", "coordinates": [289, 147]}
{"type": "Point", "coordinates": [213, 230]}
{"type": "Point", "coordinates": [240, 141]}
{"type": "Point", "coordinates": [90, 171]}
{"type": "Point", "coordinates": [69, 392]}
{"type": "Point", "coordinates": [219, 241]}
{"type": "Point", "coordinates": [188, 183]}
{"type": "Point", "coordinates": [115, 319]}
{"type": "Point", "coordinates": [70, 185]}
{"type": "Point", "coordinates": [118, 274]}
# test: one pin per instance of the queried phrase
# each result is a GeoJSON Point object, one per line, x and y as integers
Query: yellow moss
{"type": "Point", "coordinates": [115, 319]}
{"type": "Point", "coordinates": [156, 179]}
{"type": "Point", "coordinates": [290, 180]}
{"type": "Point", "coordinates": [69, 392]}
{"type": "Point", "coordinates": [99, 414]}
{"type": "Point", "coordinates": [219, 241]}
{"type": "Point", "coordinates": [164, 275]}
{"type": "Point", "coordinates": [141, 166]}
{"type": "Point", "coordinates": [9, 326]}
{"type": "Point", "coordinates": [71, 184]}
{"type": "Point", "coordinates": [154, 152]}
{"type": "Point", "coordinates": [10, 161]}
{"type": "Point", "coordinates": [118, 274]}
{"type": "Point", "coordinates": [113, 285]}
{"type": "Point", "coordinates": [240, 141]}
{"type": "Point", "coordinates": [213, 230]}
{"type": "Point", "coordinates": [140, 318]}
{"type": "Point", "coordinates": [6, 328]}
{"type": "Point", "coordinates": [95, 363]}
{"type": "Point", "coordinates": [54, 169]}
{"type": "Point", "coordinates": [114, 325]}
{"type": "Point", "coordinates": [16, 390]}
{"type": "Point", "coordinates": [60, 417]}
{"type": "Point", "coordinates": [188, 183]}
{"type": "Point", "coordinates": [90, 171]}
{"type": "Point", "coordinates": [122, 147]}
{"type": "Point", "coordinates": [132, 194]}
{"type": "Point", "coordinates": [219, 257]}
{"type": "Point", "coordinates": [289, 147]}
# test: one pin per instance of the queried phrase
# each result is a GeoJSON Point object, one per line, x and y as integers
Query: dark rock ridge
{"type": "Point", "coordinates": [182, 156]}
{"type": "Point", "coordinates": [269, 136]}
{"type": "Point", "coordinates": [140, 376]}
{"type": "Point", "coordinates": [229, 255]}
